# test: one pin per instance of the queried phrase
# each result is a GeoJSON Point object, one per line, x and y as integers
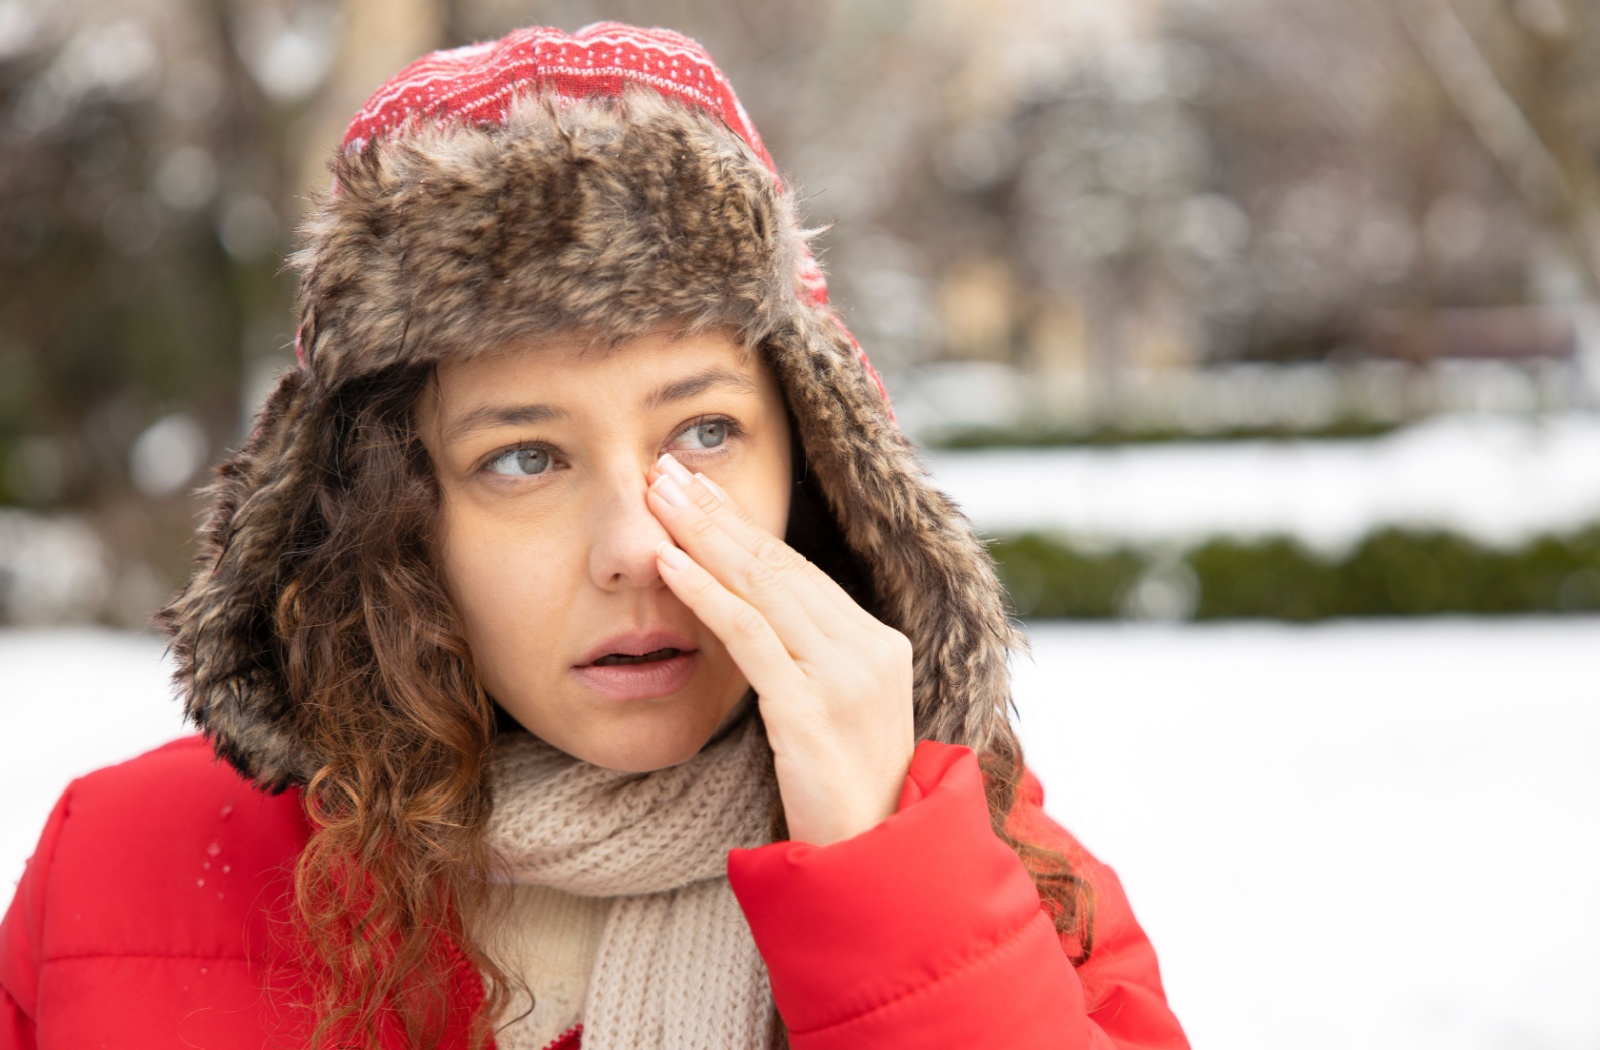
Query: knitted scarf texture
{"type": "Point", "coordinates": [677, 968]}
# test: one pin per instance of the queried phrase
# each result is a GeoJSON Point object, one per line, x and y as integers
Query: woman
{"type": "Point", "coordinates": [535, 729]}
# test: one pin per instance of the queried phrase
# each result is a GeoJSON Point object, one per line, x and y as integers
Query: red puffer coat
{"type": "Point", "coordinates": [155, 914]}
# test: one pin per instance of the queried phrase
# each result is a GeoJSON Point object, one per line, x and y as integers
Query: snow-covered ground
{"type": "Point", "coordinates": [1376, 835]}
{"type": "Point", "coordinates": [1497, 479]}
{"type": "Point", "coordinates": [1358, 835]}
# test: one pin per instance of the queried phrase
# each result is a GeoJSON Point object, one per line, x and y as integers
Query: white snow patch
{"type": "Point", "coordinates": [1499, 480]}
{"type": "Point", "coordinates": [71, 701]}
{"type": "Point", "coordinates": [1376, 835]}
{"type": "Point", "coordinates": [51, 568]}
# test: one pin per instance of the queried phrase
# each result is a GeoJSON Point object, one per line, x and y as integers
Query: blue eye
{"type": "Point", "coordinates": [520, 463]}
{"type": "Point", "coordinates": [709, 435]}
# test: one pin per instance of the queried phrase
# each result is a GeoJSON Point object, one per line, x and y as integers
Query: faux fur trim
{"type": "Point", "coordinates": [598, 215]}
{"type": "Point", "coordinates": [605, 216]}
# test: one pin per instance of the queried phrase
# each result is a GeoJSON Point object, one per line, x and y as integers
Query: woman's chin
{"type": "Point", "coordinates": [640, 738]}
{"type": "Point", "coordinates": [643, 749]}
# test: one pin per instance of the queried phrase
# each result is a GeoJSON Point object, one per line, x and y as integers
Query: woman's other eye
{"type": "Point", "coordinates": [703, 437]}
{"type": "Point", "coordinates": [519, 463]}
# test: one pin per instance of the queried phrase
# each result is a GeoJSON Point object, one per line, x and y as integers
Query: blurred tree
{"type": "Point", "coordinates": [377, 38]}
{"type": "Point", "coordinates": [1525, 77]}
{"type": "Point", "coordinates": [1417, 154]}
{"type": "Point", "coordinates": [142, 177]}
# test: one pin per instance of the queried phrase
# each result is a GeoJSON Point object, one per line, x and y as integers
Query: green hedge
{"type": "Point", "coordinates": [967, 438]}
{"type": "Point", "coordinates": [1392, 573]}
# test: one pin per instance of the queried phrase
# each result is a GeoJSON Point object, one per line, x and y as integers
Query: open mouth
{"type": "Point", "coordinates": [615, 659]}
{"type": "Point", "coordinates": [639, 676]}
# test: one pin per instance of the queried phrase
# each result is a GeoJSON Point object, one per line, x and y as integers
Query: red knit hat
{"type": "Point", "coordinates": [474, 84]}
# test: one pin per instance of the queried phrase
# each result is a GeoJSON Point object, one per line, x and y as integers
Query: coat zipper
{"type": "Point", "coordinates": [571, 1039]}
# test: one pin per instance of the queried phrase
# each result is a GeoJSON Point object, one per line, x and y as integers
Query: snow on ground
{"type": "Point", "coordinates": [1357, 835]}
{"type": "Point", "coordinates": [71, 700]}
{"type": "Point", "coordinates": [1497, 479]}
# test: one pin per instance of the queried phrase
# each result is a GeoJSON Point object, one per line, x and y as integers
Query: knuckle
{"type": "Point", "coordinates": [759, 576]}
{"type": "Point", "coordinates": [897, 644]}
{"type": "Point", "coordinates": [703, 498]}
{"type": "Point", "coordinates": [772, 551]}
{"type": "Point", "coordinates": [701, 528]}
{"type": "Point", "coordinates": [748, 622]}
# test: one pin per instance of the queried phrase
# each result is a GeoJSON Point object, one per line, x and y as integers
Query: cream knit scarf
{"type": "Point", "coordinates": [677, 967]}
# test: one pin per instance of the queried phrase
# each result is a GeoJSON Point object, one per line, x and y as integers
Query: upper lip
{"type": "Point", "coordinates": [637, 643]}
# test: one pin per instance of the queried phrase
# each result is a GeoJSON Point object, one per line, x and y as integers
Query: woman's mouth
{"type": "Point", "coordinates": [623, 658]}
{"type": "Point", "coordinates": [623, 676]}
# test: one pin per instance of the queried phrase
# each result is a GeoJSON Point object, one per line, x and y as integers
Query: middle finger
{"type": "Point", "coordinates": [752, 563]}
{"type": "Point", "coordinates": [738, 524]}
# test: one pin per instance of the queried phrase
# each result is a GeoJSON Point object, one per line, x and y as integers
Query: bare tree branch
{"type": "Point", "coordinates": [1502, 125]}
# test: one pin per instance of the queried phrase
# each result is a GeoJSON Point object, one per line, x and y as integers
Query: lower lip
{"type": "Point", "coordinates": [644, 681]}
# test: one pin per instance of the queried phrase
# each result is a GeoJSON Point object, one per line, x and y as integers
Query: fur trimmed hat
{"type": "Point", "coordinates": [605, 182]}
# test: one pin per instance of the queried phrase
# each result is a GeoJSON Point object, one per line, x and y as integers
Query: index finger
{"type": "Point", "coordinates": [759, 544]}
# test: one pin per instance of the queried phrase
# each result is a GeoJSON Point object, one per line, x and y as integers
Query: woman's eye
{"type": "Point", "coordinates": [706, 436]}
{"type": "Point", "coordinates": [520, 463]}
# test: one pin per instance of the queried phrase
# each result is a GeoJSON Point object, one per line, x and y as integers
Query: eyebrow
{"type": "Point", "coordinates": [689, 386]}
{"type": "Point", "coordinates": [490, 416]}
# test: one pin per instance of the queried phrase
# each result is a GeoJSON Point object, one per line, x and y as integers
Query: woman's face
{"type": "Point", "coordinates": [548, 547]}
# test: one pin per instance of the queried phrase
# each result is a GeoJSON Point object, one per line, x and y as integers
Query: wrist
{"type": "Point", "coordinates": [849, 806]}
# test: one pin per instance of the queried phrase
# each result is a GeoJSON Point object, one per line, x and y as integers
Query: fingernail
{"type": "Point", "coordinates": [670, 491]}
{"type": "Point", "coordinates": [671, 466]}
{"type": "Point", "coordinates": [672, 555]}
{"type": "Point", "coordinates": [716, 490]}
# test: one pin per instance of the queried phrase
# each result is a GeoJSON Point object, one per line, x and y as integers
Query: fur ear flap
{"type": "Point", "coordinates": [223, 624]}
{"type": "Point", "coordinates": [932, 578]}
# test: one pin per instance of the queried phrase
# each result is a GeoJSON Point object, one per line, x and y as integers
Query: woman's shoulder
{"type": "Point", "coordinates": [163, 854]}
{"type": "Point", "coordinates": [146, 810]}
{"type": "Point", "coordinates": [158, 895]}
{"type": "Point", "coordinates": [187, 763]}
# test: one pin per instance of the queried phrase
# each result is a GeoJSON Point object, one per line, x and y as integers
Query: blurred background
{"type": "Point", "coordinates": [1260, 337]}
{"type": "Point", "coordinates": [1300, 301]}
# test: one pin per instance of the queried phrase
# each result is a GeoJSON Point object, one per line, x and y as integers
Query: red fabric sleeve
{"type": "Point", "coordinates": [21, 936]}
{"type": "Point", "coordinates": [927, 931]}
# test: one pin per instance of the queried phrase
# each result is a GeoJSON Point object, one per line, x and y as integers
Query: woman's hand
{"type": "Point", "coordinates": [834, 683]}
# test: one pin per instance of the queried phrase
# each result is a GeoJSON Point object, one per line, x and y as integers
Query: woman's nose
{"type": "Point", "coordinates": [624, 534]}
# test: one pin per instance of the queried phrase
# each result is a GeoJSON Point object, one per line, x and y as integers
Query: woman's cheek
{"type": "Point", "coordinates": [491, 577]}
{"type": "Point", "coordinates": [763, 491]}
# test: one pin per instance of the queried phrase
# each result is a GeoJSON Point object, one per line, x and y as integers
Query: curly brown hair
{"type": "Point", "coordinates": [382, 687]}
{"type": "Point", "coordinates": [381, 678]}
